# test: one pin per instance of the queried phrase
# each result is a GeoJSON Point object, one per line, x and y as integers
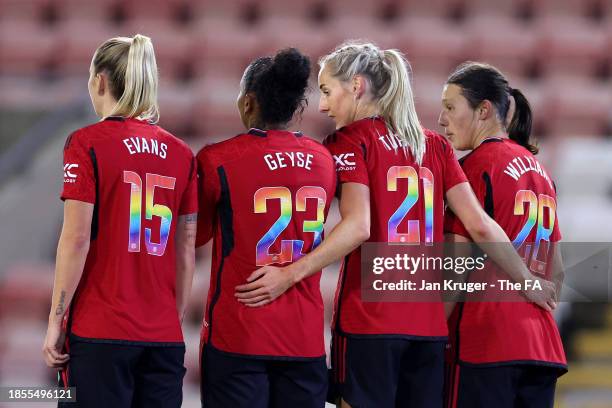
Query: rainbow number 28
{"type": "Point", "coordinates": [413, 236]}
{"type": "Point", "coordinates": [535, 216]}
{"type": "Point", "coordinates": [151, 209]}
{"type": "Point", "coordinates": [291, 250]}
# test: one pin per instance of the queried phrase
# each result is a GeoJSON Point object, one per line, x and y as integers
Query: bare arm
{"type": "Point", "coordinates": [185, 259]}
{"type": "Point", "coordinates": [267, 283]}
{"type": "Point", "coordinates": [490, 237]}
{"type": "Point", "coordinates": [72, 252]}
{"type": "Point", "coordinates": [351, 231]}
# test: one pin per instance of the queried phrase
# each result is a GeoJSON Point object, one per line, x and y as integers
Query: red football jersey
{"type": "Point", "coordinates": [515, 189]}
{"type": "Point", "coordinates": [264, 197]}
{"type": "Point", "coordinates": [405, 211]}
{"type": "Point", "coordinates": [140, 178]}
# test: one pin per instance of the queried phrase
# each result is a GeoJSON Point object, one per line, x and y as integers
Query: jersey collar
{"type": "Point", "coordinates": [264, 133]}
{"type": "Point", "coordinates": [114, 118]}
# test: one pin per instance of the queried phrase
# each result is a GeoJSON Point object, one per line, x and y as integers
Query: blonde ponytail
{"type": "Point", "coordinates": [397, 104]}
{"type": "Point", "coordinates": [388, 75]}
{"type": "Point", "coordinates": [132, 70]}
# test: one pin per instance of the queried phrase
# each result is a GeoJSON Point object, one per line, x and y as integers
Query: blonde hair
{"type": "Point", "coordinates": [388, 73]}
{"type": "Point", "coordinates": [132, 72]}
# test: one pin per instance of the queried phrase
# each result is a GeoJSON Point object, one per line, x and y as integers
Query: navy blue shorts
{"type": "Point", "coordinates": [370, 372]}
{"type": "Point", "coordinates": [511, 386]}
{"type": "Point", "coordinates": [124, 375]}
{"type": "Point", "coordinates": [248, 382]}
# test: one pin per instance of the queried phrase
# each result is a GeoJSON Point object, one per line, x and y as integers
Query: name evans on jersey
{"type": "Point", "coordinates": [143, 145]}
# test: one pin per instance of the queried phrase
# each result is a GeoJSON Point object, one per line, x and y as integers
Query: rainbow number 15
{"type": "Point", "coordinates": [291, 250]}
{"type": "Point", "coordinates": [413, 236]}
{"type": "Point", "coordinates": [536, 216]}
{"type": "Point", "coordinates": [161, 211]}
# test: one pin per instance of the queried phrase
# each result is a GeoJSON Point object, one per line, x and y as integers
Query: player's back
{"type": "Point", "coordinates": [140, 178]}
{"type": "Point", "coordinates": [407, 207]}
{"type": "Point", "coordinates": [271, 191]}
{"type": "Point", "coordinates": [517, 192]}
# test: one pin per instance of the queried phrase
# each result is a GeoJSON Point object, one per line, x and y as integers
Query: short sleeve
{"type": "Point", "coordinates": [79, 176]}
{"type": "Point", "coordinates": [453, 173]}
{"type": "Point", "coordinates": [349, 157]}
{"type": "Point", "coordinates": [452, 224]}
{"type": "Point", "coordinates": [556, 234]}
{"type": "Point", "coordinates": [189, 200]}
{"type": "Point", "coordinates": [208, 195]}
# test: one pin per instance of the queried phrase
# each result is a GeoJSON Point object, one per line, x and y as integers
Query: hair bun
{"type": "Point", "coordinates": [291, 68]}
{"type": "Point", "coordinates": [281, 84]}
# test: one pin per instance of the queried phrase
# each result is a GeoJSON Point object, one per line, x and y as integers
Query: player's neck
{"type": "Point", "coordinates": [108, 106]}
{"type": "Point", "coordinates": [489, 132]}
{"type": "Point", "coordinates": [366, 110]}
{"type": "Point", "coordinates": [258, 124]}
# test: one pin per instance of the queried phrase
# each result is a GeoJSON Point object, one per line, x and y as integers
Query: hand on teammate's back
{"type": "Point", "coordinates": [546, 297]}
{"type": "Point", "coordinates": [264, 286]}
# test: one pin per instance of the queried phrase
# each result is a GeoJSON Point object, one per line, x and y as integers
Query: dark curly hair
{"type": "Point", "coordinates": [279, 84]}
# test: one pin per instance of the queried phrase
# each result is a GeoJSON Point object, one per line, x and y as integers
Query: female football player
{"type": "Point", "coordinates": [504, 353]}
{"type": "Point", "coordinates": [395, 177]}
{"type": "Point", "coordinates": [263, 199]}
{"type": "Point", "coordinates": [125, 258]}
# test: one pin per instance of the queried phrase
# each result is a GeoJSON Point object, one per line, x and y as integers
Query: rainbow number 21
{"type": "Point", "coordinates": [413, 236]}
{"type": "Point", "coordinates": [291, 250]}
{"type": "Point", "coordinates": [535, 216]}
{"type": "Point", "coordinates": [161, 211]}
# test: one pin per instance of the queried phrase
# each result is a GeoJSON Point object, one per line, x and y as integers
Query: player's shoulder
{"type": "Point", "coordinates": [496, 149]}
{"type": "Point", "coordinates": [225, 150]}
{"type": "Point", "coordinates": [336, 136]}
{"type": "Point", "coordinates": [435, 140]}
{"type": "Point", "coordinates": [437, 148]}
{"type": "Point", "coordinates": [72, 139]}
{"type": "Point", "coordinates": [516, 150]}
{"type": "Point", "coordinates": [170, 138]}
{"type": "Point", "coordinates": [101, 127]}
{"type": "Point", "coordinates": [83, 135]}
{"type": "Point", "coordinates": [487, 155]}
{"type": "Point", "coordinates": [433, 136]}
{"type": "Point", "coordinates": [357, 131]}
{"type": "Point", "coordinates": [313, 144]}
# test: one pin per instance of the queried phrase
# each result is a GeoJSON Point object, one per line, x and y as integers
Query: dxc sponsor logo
{"type": "Point", "coordinates": [69, 176]}
{"type": "Point", "coordinates": [344, 162]}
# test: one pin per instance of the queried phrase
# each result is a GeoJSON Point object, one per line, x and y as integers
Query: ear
{"type": "Point", "coordinates": [358, 86]}
{"type": "Point", "coordinates": [249, 103]}
{"type": "Point", "coordinates": [485, 110]}
{"type": "Point", "coordinates": [102, 83]}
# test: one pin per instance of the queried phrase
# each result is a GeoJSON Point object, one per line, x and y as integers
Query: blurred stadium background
{"type": "Point", "coordinates": [559, 52]}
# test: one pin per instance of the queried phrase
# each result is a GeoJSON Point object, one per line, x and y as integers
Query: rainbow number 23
{"type": "Point", "coordinates": [413, 236]}
{"type": "Point", "coordinates": [535, 216]}
{"type": "Point", "coordinates": [291, 250]}
{"type": "Point", "coordinates": [161, 211]}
